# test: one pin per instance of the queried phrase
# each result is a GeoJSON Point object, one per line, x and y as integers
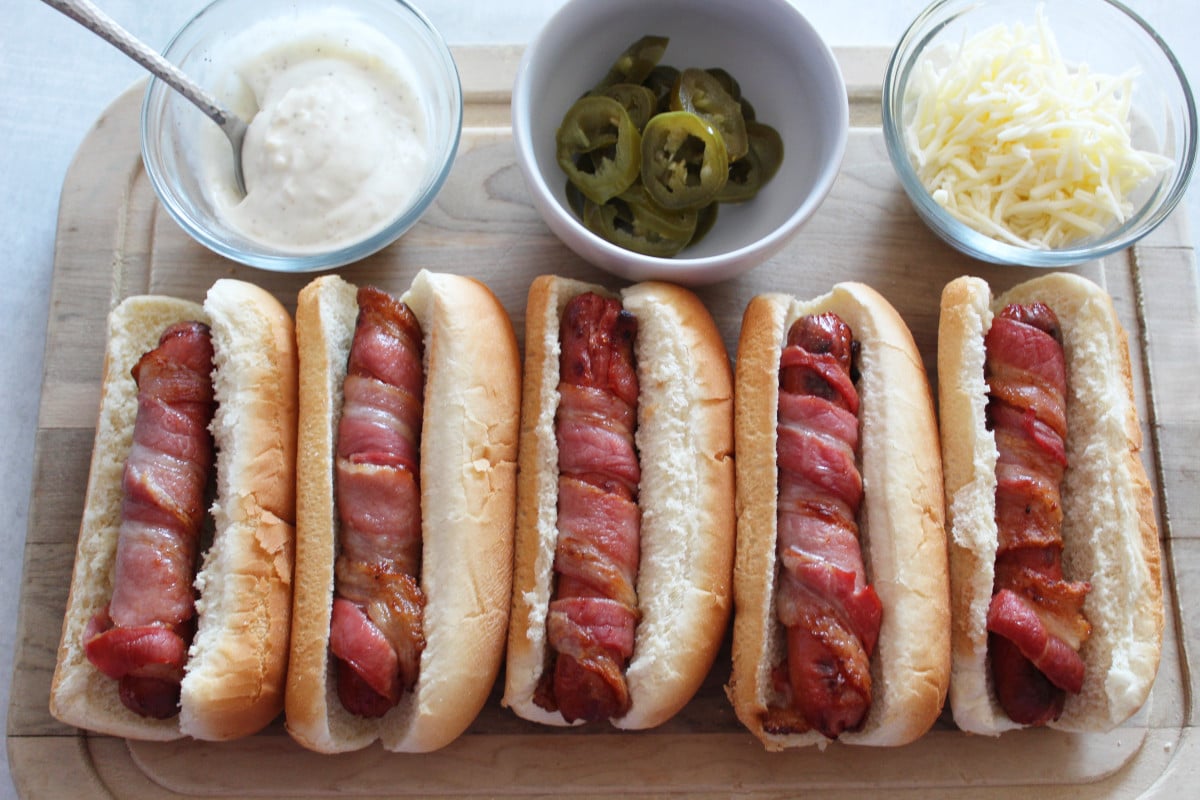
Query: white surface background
{"type": "Point", "coordinates": [56, 79]}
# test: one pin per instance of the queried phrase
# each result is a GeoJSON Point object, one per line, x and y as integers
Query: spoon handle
{"type": "Point", "coordinates": [89, 16]}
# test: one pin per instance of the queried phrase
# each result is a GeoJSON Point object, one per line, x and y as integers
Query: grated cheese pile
{"type": "Point", "coordinates": [1018, 145]}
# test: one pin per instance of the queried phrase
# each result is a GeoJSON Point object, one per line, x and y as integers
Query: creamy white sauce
{"type": "Point", "coordinates": [337, 145]}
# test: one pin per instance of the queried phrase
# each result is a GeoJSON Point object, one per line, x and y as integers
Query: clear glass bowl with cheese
{"type": "Point", "coordinates": [1038, 133]}
{"type": "Point", "coordinates": [355, 112]}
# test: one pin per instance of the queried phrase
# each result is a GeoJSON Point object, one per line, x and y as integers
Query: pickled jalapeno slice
{"type": "Point", "coordinates": [639, 101]}
{"type": "Point", "coordinates": [749, 174]}
{"type": "Point", "coordinates": [599, 147]}
{"type": "Point", "coordinates": [748, 112]}
{"type": "Point", "coordinates": [633, 65]}
{"type": "Point", "coordinates": [661, 81]}
{"type": "Point", "coordinates": [684, 162]}
{"type": "Point", "coordinates": [635, 222]}
{"type": "Point", "coordinates": [727, 81]}
{"type": "Point", "coordinates": [698, 91]}
{"type": "Point", "coordinates": [730, 85]}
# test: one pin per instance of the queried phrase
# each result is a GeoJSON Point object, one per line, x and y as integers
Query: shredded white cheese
{"type": "Point", "coordinates": [1020, 146]}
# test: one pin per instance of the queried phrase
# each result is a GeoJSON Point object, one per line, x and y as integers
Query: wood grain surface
{"type": "Point", "coordinates": [115, 240]}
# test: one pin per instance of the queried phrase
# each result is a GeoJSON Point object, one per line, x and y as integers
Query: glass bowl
{"type": "Point", "coordinates": [1106, 37]}
{"type": "Point", "coordinates": [189, 160]}
{"type": "Point", "coordinates": [784, 68]}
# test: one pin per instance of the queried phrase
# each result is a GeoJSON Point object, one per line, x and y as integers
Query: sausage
{"type": "Point", "coordinates": [1035, 620]}
{"type": "Point", "coordinates": [593, 614]}
{"type": "Point", "coordinates": [375, 630]}
{"type": "Point", "coordinates": [141, 637]}
{"type": "Point", "coordinates": [831, 614]}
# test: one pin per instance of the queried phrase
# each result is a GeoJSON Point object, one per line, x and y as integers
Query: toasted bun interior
{"type": "Point", "coordinates": [237, 665]}
{"type": "Point", "coordinates": [685, 446]}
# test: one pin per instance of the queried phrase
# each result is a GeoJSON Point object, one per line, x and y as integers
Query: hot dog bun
{"type": "Point", "coordinates": [234, 679]}
{"type": "Point", "coordinates": [901, 520]}
{"type": "Point", "coordinates": [684, 440]}
{"type": "Point", "coordinates": [468, 490]}
{"type": "Point", "coordinates": [1109, 532]}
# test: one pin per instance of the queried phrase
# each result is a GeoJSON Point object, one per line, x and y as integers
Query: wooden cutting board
{"type": "Point", "coordinates": [114, 240]}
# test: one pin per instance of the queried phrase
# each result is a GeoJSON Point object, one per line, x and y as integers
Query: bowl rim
{"type": "Point", "coordinates": [625, 263]}
{"type": "Point", "coordinates": [901, 62]}
{"type": "Point", "coordinates": [300, 262]}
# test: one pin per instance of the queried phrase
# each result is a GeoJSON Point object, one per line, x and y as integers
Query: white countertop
{"type": "Point", "coordinates": [56, 79]}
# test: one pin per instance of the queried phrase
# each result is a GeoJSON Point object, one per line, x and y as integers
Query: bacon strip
{"type": "Point", "coordinates": [593, 613]}
{"type": "Point", "coordinates": [376, 633]}
{"type": "Point", "coordinates": [1035, 619]}
{"type": "Point", "coordinates": [141, 638]}
{"type": "Point", "coordinates": [831, 614]}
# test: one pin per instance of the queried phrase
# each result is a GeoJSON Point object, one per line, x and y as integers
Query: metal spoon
{"type": "Point", "coordinates": [95, 20]}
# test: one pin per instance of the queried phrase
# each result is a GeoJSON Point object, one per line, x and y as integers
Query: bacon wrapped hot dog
{"type": "Point", "coordinates": [625, 508]}
{"type": "Point", "coordinates": [842, 626]}
{"type": "Point", "coordinates": [407, 485]}
{"type": "Point", "coordinates": [1054, 557]}
{"type": "Point", "coordinates": [1034, 619]}
{"type": "Point", "coordinates": [594, 611]}
{"type": "Point", "coordinates": [376, 633]}
{"type": "Point", "coordinates": [140, 638]}
{"type": "Point", "coordinates": [153, 648]}
{"type": "Point", "coordinates": [831, 614]}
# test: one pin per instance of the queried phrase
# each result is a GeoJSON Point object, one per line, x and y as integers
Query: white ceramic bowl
{"type": "Point", "coordinates": [784, 68]}
{"type": "Point", "coordinates": [177, 138]}
{"type": "Point", "coordinates": [1107, 37]}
